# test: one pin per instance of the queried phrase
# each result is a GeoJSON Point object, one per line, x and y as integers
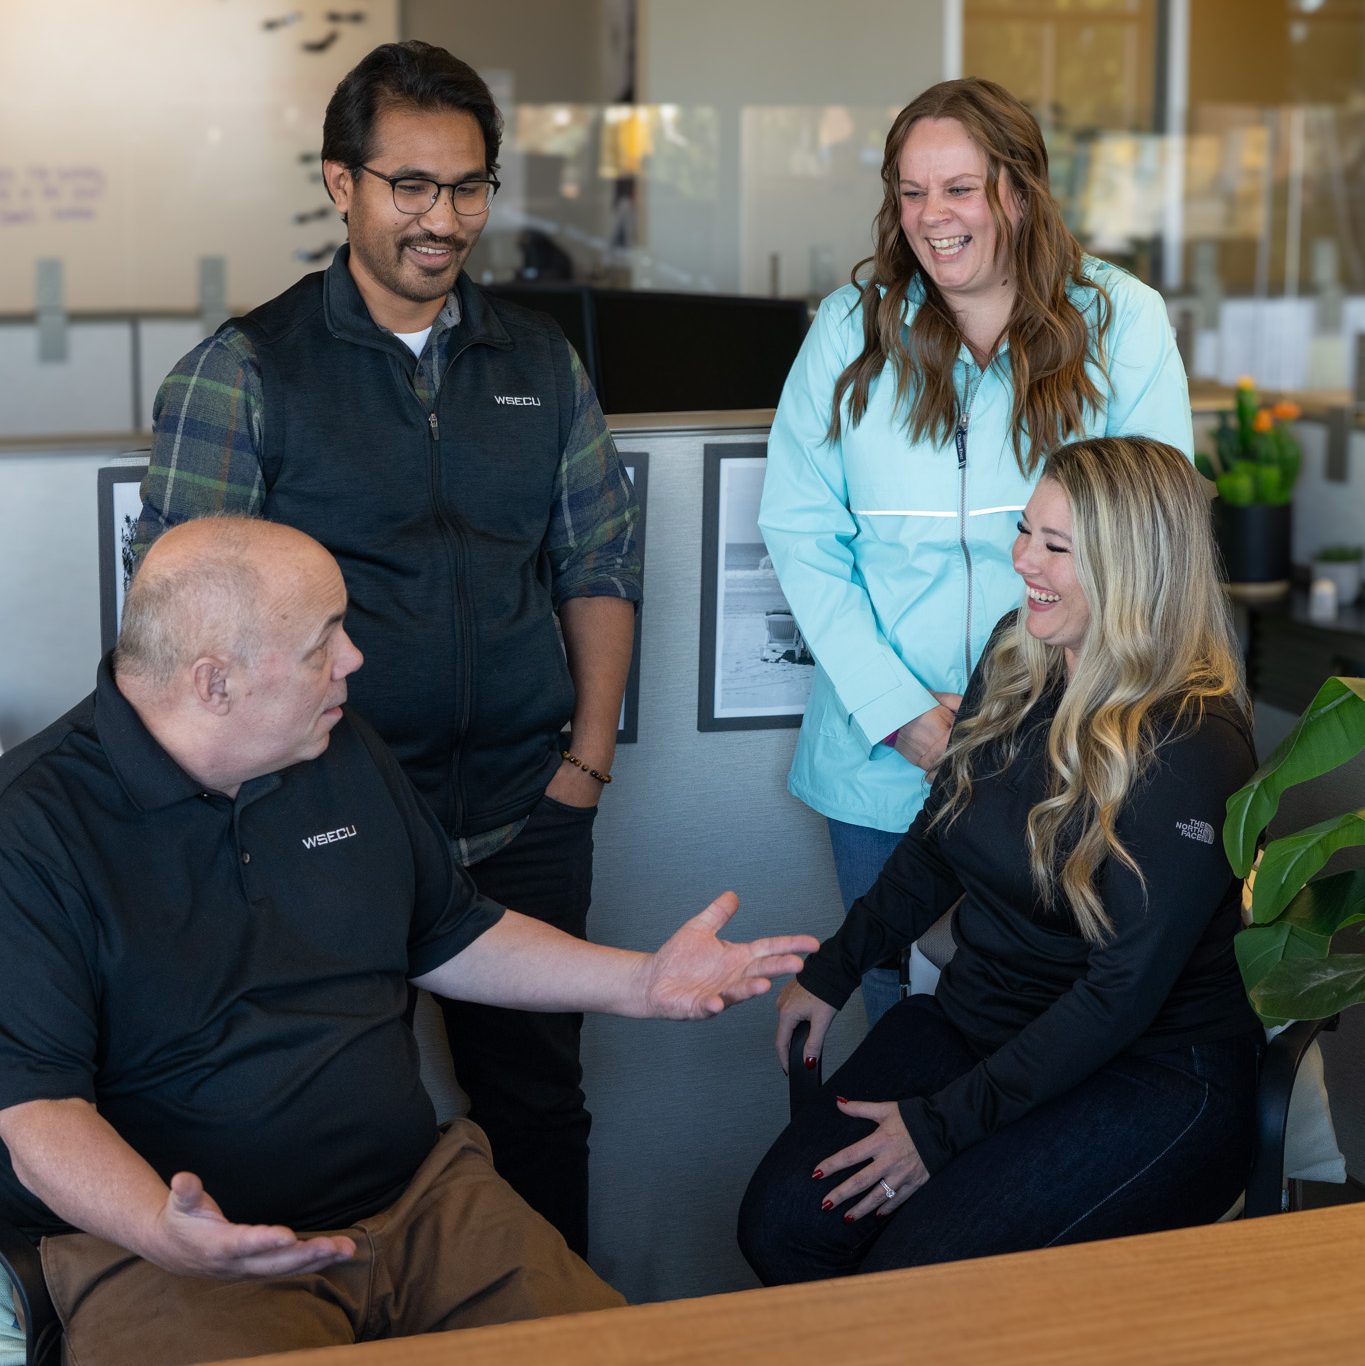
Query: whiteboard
{"type": "Point", "coordinates": [138, 137]}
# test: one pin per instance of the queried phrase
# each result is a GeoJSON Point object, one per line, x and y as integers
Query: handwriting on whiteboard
{"type": "Point", "coordinates": [41, 194]}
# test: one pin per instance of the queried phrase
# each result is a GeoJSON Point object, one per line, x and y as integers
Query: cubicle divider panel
{"type": "Point", "coordinates": [682, 1113]}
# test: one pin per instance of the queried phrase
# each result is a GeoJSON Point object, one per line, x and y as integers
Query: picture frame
{"type": "Point", "coordinates": [636, 464]}
{"type": "Point", "coordinates": [754, 669]}
{"type": "Point", "coordinates": [120, 502]}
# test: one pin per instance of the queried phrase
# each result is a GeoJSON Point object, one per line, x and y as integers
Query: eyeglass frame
{"type": "Point", "coordinates": [393, 182]}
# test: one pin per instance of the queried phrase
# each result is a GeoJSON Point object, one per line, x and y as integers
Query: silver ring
{"type": "Point", "coordinates": [890, 1194]}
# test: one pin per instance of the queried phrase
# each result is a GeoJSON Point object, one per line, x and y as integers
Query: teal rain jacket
{"type": "Point", "coordinates": [895, 555]}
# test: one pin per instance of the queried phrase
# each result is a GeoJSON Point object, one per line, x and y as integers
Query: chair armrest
{"type": "Point", "coordinates": [803, 1083]}
{"type": "Point", "coordinates": [42, 1329]}
{"type": "Point", "coordinates": [1279, 1068]}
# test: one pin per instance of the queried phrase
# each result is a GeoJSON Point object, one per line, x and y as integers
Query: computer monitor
{"type": "Point", "coordinates": [568, 304]}
{"type": "Point", "coordinates": [660, 352]}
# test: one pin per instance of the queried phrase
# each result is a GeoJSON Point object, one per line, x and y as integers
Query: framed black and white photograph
{"type": "Point", "coordinates": [120, 503]}
{"type": "Point", "coordinates": [755, 668]}
{"type": "Point", "coordinates": [636, 465]}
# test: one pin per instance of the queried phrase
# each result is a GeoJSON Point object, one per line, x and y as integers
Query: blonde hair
{"type": "Point", "coordinates": [1049, 341]}
{"type": "Point", "coordinates": [1158, 645]}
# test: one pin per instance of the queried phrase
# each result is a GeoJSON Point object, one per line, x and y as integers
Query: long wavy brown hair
{"type": "Point", "coordinates": [1048, 339]}
{"type": "Point", "coordinates": [1159, 644]}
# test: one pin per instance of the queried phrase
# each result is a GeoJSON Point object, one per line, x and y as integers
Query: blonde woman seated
{"type": "Point", "coordinates": [1087, 1066]}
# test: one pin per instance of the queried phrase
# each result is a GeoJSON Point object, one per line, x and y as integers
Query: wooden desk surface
{"type": "Point", "coordinates": [1262, 1293]}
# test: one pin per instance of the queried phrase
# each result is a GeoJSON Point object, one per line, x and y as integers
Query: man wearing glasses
{"type": "Point", "coordinates": [447, 448]}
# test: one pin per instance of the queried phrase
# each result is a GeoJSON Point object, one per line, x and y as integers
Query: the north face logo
{"type": "Point", "coordinates": [1196, 830]}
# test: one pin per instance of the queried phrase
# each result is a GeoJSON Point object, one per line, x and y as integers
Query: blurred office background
{"type": "Point", "coordinates": [159, 156]}
{"type": "Point", "coordinates": [159, 173]}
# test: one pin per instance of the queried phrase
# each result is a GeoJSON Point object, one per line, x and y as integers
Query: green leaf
{"type": "Point", "coordinates": [1331, 731]}
{"type": "Point", "coordinates": [1304, 931]}
{"type": "Point", "coordinates": [1311, 989]}
{"type": "Point", "coordinates": [1287, 863]}
{"type": "Point", "coordinates": [1237, 488]}
{"type": "Point", "coordinates": [1204, 465]}
{"type": "Point", "coordinates": [1328, 904]}
{"type": "Point", "coordinates": [1261, 948]}
{"type": "Point", "coordinates": [1268, 484]}
{"type": "Point", "coordinates": [1225, 442]}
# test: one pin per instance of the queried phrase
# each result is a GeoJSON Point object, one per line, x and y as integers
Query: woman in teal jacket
{"type": "Point", "coordinates": [910, 434]}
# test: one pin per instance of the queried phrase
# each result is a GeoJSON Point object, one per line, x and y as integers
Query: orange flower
{"type": "Point", "coordinates": [1287, 411]}
{"type": "Point", "coordinates": [1262, 422]}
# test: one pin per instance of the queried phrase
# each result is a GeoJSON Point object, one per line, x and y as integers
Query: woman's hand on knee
{"type": "Point", "coordinates": [794, 1005]}
{"type": "Point", "coordinates": [886, 1160]}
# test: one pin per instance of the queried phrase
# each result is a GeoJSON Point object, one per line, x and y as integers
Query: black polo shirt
{"type": "Point", "coordinates": [224, 980]}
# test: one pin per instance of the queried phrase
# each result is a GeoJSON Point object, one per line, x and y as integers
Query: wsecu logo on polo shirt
{"type": "Point", "coordinates": [325, 837]}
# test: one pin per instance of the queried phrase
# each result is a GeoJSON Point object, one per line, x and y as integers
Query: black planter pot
{"type": "Point", "coordinates": [1254, 542]}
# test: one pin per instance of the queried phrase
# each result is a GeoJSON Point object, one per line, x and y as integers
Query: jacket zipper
{"type": "Point", "coordinates": [960, 439]}
{"type": "Point", "coordinates": [458, 589]}
{"type": "Point", "coordinates": [461, 631]}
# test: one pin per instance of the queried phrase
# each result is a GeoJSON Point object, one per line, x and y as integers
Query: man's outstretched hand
{"type": "Point", "coordinates": [696, 974]}
{"type": "Point", "coordinates": [192, 1238]}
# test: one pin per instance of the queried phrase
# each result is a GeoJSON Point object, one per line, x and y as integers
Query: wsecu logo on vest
{"type": "Point", "coordinates": [344, 832]}
{"type": "Point", "coordinates": [517, 400]}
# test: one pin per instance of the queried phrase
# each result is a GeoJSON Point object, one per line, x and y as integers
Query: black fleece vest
{"type": "Point", "coordinates": [438, 521]}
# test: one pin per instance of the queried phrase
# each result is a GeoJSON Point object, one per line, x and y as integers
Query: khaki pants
{"type": "Point", "coordinates": [458, 1249]}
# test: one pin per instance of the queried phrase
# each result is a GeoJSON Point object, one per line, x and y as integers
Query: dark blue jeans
{"type": "Point", "coordinates": [520, 1068]}
{"type": "Point", "coordinates": [1146, 1143]}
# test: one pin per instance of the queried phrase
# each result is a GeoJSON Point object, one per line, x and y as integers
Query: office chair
{"type": "Point", "coordinates": [42, 1329]}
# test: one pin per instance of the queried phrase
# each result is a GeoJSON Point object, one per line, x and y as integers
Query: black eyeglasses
{"type": "Point", "coordinates": [413, 194]}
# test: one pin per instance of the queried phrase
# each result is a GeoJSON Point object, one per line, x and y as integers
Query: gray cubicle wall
{"type": "Point", "coordinates": [682, 1111]}
{"type": "Point", "coordinates": [49, 582]}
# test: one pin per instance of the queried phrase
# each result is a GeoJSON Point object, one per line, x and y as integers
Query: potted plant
{"type": "Point", "coordinates": [1341, 564]}
{"type": "Point", "coordinates": [1254, 464]}
{"type": "Point", "coordinates": [1285, 953]}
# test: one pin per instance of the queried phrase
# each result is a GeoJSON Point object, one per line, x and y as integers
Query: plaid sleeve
{"type": "Point", "coordinates": [591, 541]}
{"type": "Point", "coordinates": [207, 426]}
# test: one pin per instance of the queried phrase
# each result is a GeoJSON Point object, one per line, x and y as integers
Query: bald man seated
{"type": "Point", "coordinates": [215, 887]}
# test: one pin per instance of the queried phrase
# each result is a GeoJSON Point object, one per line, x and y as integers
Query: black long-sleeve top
{"type": "Point", "coordinates": [1044, 1008]}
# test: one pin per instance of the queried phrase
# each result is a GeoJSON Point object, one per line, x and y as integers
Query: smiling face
{"type": "Point", "coordinates": [405, 264]}
{"type": "Point", "coordinates": [1045, 558]}
{"type": "Point", "coordinates": [287, 699]}
{"type": "Point", "coordinates": [945, 214]}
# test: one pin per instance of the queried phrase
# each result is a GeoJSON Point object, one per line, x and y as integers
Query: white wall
{"type": "Point", "coordinates": [141, 136]}
{"type": "Point", "coordinates": [806, 53]}
{"type": "Point", "coordinates": [549, 52]}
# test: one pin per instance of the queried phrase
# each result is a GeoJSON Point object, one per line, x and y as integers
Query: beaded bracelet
{"type": "Point", "coordinates": [578, 763]}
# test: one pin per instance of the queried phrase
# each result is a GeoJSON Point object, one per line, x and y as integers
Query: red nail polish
{"type": "Point", "coordinates": [816, 1174]}
{"type": "Point", "coordinates": [810, 1064]}
{"type": "Point", "coordinates": [827, 1204]}
{"type": "Point", "coordinates": [848, 1218]}
{"type": "Point", "coordinates": [843, 1100]}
